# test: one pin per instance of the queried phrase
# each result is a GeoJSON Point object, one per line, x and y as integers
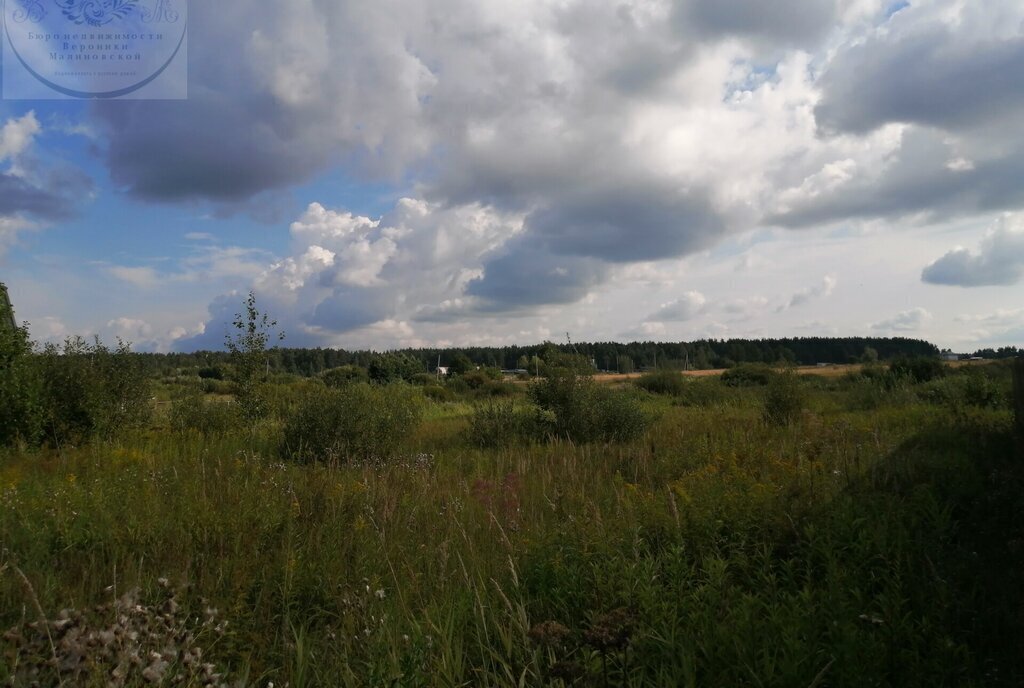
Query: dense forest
{"type": "Point", "coordinates": [606, 356]}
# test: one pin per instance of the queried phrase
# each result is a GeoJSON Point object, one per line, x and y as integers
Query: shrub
{"type": "Point", "coordinates": [703, 393]}
{"type": "Point", "coordinates": [969, 389]}
{"type": "Point", "coordinates": [475, 379]}
{"type": "Point", "coordinates": [222, 387]}
{"type": "Point", "coordinates": [394, 367]}
{"type": "Point", "coordinates": [919, 369]}
{"type": "Point", "coordinates": [499, 424]}
{"type": "Point", "coordinates": [669, 382]}
{"type": "Point", "coordinates": [748, 375]}
{"type": "Point", "coordinates": [211, 373]}
{"type": "Point", "coordinates": [785, 399]}
{"type": "Point", "coordinates": [92, 391]}
{"type": "Point", "coordinates": [497, 389]}
{"type": "Point", "coordinates": [576, 408]}
{"type": "Point", "coordinates": [22, 416]}
{"type": "Point", "coordinates": [248, 352]}
{"type": "Point", "coordinates": [345, 375]}
{"type": "Point", "coordinates": [438, 393]}
{"type": "Point", "coordinates": [193, 413]}
{"type": "Point", "coordinates": [358, 422]}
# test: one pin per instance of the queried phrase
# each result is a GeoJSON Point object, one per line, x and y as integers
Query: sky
{"type": "Point", "coordinates": [392, 173]}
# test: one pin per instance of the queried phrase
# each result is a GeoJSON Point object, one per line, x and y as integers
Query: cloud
{"type": "Point", "coordinates": [687, 307]}
{"type": "Point", "coordinates": [804, 296]}
{"type": "Point", "coordinates": [17, 135]}
{"type": "Point", "coordinates": [930, 71]}
{"type": "Point", "coordinates": [130, 329]}
{"type": "Point", "coordinates": [780, 23]}
{"type": "Point", "coordinates": [33, 193]}
{"type": "Point", "coordinates": [142, 277]}
{"type": "Point", "coordinates": [206, 263]}
{"type": "Point", "coordinates": [998, 262]}
{"type": "Point", "coordinates": [905, 321]}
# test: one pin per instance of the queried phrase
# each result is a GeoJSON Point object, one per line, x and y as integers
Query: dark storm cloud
{"type": "Point", "coordinates": [932, 76]}
{"type": "Point", "coordinates": [527, 274]}
{"type": "Point", "coordinates": [350, 308]}
{"type": "Point", "coordinates": [793, 22]}
{"type": "Point", "coordinates": [567, 248]}
{"type": "Point", "coordinates": [211, 147]}
{"type": "Point", "coordinates": [18, 196]}
{"type": "Point", "coordinates": [1000, 262]}
{"type": "Point", "coordinates": [920, 179]}
{"type": "Point", "coordinates": [624, 225]}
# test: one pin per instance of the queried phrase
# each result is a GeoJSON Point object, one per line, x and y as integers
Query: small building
{"type": "Point", "coordinates": [442, 371]}
{"type": "Point", "coordinates": [950, 356]}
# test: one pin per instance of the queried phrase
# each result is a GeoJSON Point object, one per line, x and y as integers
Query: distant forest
{"type": "Point", "coordinates": [607, 356]}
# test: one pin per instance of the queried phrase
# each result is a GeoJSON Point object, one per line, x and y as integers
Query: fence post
{"type": "Point", "coordinates": [1018, 405]}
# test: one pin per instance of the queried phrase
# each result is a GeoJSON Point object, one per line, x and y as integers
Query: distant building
{"type": "Point", "coordinates": [950, 356]}
{"type": "Point", "coordinates": [6, 309]}
{"type": "Point", "coordinates": [442, 371]}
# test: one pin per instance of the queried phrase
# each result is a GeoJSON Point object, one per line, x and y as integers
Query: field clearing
{"type": "Point", "coordinates": [823, 371]}
{"type": "Point", "coordinates": [873, 540]}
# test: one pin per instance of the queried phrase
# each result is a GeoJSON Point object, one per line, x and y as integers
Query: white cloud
{"type": "Point", "coordinates": [17, 135]}
{"type": "Point", "coordinates": [688, 306]}
{"type": "Point", "coordinates": [804, 296]}
{"type": "Point", "coordinates": [998, 262]}
{"type": "Point", "coordinates": [143, 277]}
{"type": "Point", "coordinates": [906, 321]}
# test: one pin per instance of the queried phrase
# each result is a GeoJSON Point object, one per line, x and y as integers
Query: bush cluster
{"type": "Point", "coordinates": [576, 408]}
{"type": "Point", "coordinates": [192, 413]}
{"type": "Point", "coordinates": [784, 400]}
{"type": "Point", "coordinates": [748, 375]}
{"type": "Point", "coordinates": [357, 422]}
{"type": "Point", "coordinates": [68, 393]}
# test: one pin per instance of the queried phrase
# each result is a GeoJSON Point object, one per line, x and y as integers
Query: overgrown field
{"type": "Point", "coordinates": [750, 531]}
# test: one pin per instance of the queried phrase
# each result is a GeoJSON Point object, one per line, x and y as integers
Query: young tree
{"type": "Point", "coordinates": [248, 351]}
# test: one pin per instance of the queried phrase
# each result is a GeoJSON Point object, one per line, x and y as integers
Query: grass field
{"type": "Point", "coordinates": [875, 541]}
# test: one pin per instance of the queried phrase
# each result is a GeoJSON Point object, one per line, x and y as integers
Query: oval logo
{"type": "Point", "coordinates": [95, 48]}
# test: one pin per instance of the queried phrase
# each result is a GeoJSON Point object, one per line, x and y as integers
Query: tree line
{"type": "Point", "coordinates": [606, 356]}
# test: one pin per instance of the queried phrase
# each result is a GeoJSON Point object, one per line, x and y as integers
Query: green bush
{"type": "Point", "coordinates": [358, 422]}
{"type": "Point", "coordinates": [91, 391]}
{"type": "Point", "coordinates": [499, 424]}
{"type": "Point", "coordinates": [748, 375]}
{"type": "Point", "coordinates": [703, 393]}
{"type": "Point", "coordinates": [345, 375]}
{"type": "Point", "coordinates": [212, 386]}
{"type": "Point", "coordinates": [211, 373]}
{"type": "Point", "coordinates": [784, 400]}
{"type": "Point", "coordinates": [669, 382]}
{"type": "Point", "coordinates": [394, 367]}
{"type": "Point", "coordinates": [576, 408]}
{"type": "Point", "coordinates": [496, 389]}
{"type": "Point", "coordinates": [192, 413]}
{"type": "Point", "coordinates": [22, 416]}
{"type": "Point", "coordinates": [919, 369]}
{"type": "Point", "coordinates": [438, 393]}
{"type": "Point", "coordinates": [968, 389]}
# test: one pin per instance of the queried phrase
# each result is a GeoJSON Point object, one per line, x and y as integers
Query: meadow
{"type": "Point", "coordinates": [760, 529]}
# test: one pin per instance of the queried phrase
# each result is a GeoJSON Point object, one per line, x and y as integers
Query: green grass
{"type": "Point", "coordinates": [857, 547]}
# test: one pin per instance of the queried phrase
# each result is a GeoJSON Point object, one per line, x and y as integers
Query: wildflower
{"type": "Point", "coordinates": [380, 594]}
{"type": "Point", "coordinates": [612, 631]}
{"type": "Point", "coordinates": [549, 634]}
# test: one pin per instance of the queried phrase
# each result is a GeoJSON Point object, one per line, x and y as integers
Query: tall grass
{"type": "Point", "coordinates": [858, 548]}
